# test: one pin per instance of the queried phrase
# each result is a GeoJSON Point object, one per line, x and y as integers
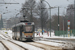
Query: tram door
{"type": "Point", "coordinates": [21, 30]}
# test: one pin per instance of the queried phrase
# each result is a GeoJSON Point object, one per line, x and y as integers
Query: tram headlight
{"type": "Point", "coordinates": [30, 36]}
{"type": "Point", "coordinates": [26, 36]}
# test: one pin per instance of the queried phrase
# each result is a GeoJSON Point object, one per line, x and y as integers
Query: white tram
{"type": "Point", "coordinates": [23, 31]}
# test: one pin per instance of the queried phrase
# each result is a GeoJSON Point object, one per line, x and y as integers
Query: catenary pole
{"type": "Point", "coordinates": [50, 15]}
{"type": "Point", "coordinates": [74, 14]}
{"type": "Point", "coordinates": [41, 16]}
{"type": "Point", "coordinates": [58, 20]}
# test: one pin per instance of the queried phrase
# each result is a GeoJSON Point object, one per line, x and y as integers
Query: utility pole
{"type": "Point", "coordinates": [41, 16]}
{"type": "Point", "coordinates": [58, 19]}
{"type": "Point", "coordinates": [63, 25]}
{"type": "Point", "coordinates": [23, 14]}
{"type": "Point", "coordinates": [31, 15]}
{"type": "Point", "coordinates": [74, 14]}
{"type": "Point", "coordinates": [50, 20]}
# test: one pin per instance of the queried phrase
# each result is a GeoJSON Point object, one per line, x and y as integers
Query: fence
{"type": "Point", "coordinates": [65, 33]}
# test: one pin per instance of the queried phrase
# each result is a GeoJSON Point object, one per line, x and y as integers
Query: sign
{"type": "Point", "coordinates": [68, 22]}
{"type": "Point", "coordinates": [68, 28]}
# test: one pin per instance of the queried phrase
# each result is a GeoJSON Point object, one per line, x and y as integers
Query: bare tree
{"type": "Point", "coordinates": [32, 12]}
{"type": "Point", "coordinates": [54, 22]}
{"type": "Point", "coordinates": [44, 14]}
{"type": "Point", "coordinates": [28, 8]}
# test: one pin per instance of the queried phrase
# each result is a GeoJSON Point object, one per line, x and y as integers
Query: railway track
{"type": "Point", "coordinates": [1, 38]}
{"type": "Point", "coordinates": [65, 46]}
{"type": "Point", "coordinates": [44, 46]}
{"type": "Point", "coordinates": [12, 46]}
{"type": "Point", "coordinates": [39, 45]}
{"type": "Point", "coordinates": [62, 42]}
{"type": "Point", "coordinates": [28, 46]}
{"type": "Point", "coordinates": [3, 47]}
{"type": "Point", "coordinates": [9, 45]}
{"type": "Point", "coordinates": [36, 44]}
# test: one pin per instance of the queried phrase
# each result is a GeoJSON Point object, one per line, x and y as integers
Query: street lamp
{"type": "Point", "coordinates": [50, 15]}
{"type": "Point", "coordinates": [23, 13]}
{"type": "Point", "coordinates": [58, 19]}
{"type": "Point", "coordinates": [42, 15]}
{"type": "Point", "coordinates": [15, 18]}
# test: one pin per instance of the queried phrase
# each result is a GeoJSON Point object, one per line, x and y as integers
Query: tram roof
{"type": "Point", "coordinates": [23, 23]}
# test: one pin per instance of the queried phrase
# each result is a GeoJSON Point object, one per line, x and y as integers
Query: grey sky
{"type": "Point", "coordinates": [13, 9]}
{"type": "Point", "coordinates": [60, 2]}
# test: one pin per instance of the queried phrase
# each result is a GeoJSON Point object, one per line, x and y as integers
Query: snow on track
{"type": "Point", "coordinates": [2, 47]}
{"type": "Point", "coordinates": [11, 46]}
{"type": "Point", "coordinates": [29, 47]}
{"type": "Point", "coordinates": [64, 46]}
{"type": "Point", "coordinates": [62, 42]}
{"type": "Point", "coordinates": [44, 46]}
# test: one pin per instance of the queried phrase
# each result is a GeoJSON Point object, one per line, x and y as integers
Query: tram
{"type": "Point", "coordinates": [23, 31]}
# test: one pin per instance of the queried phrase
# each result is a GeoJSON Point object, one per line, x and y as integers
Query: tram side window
{"type": "Point", "coordinates": [15, 29]}
{"type": "Point", "coordinates": [18, 29]}
{"type": "Point", "coordinates": [21, 28]}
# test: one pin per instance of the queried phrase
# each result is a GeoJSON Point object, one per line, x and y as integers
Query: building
{"type": "Point", "coordinates": [4, 23]}
{"type": "Point", "coordinates": [1, 21]}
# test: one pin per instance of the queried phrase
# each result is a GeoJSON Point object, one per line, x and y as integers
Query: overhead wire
{"type": "Point", "coordinates": [15, 1]}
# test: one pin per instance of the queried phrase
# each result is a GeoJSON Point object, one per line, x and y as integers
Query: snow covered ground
{"type": "Point", "coordinates": [8, 34]}
{"type": "Point", "coordinates": [2, 47]}
{"type": "Point", "coordinates": [45, 35]}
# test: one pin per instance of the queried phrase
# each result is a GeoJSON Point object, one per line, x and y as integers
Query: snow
{"type": "Point", "coordinates": [2, 47]}
{"type": "Point", "coordinates": [3, 37]}
{"type": "Point", "coordinates": [11, 46]}
{"type": "Point", "coordinates": [29, 47]}
{"type": "Point", "coordinates": [45, 35]}
{"type": "Point", "coordinates": [65, 46]}
{"type": "Point", "coordinates": [49, 43]}
{"type": "Point", "coordinates": [6, 37]}
{"type": "Point", "coordinates": [9, 33]}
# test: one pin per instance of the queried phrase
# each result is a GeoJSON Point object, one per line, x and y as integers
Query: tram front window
{"type": "Point", "coordinates": [28, 28]}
